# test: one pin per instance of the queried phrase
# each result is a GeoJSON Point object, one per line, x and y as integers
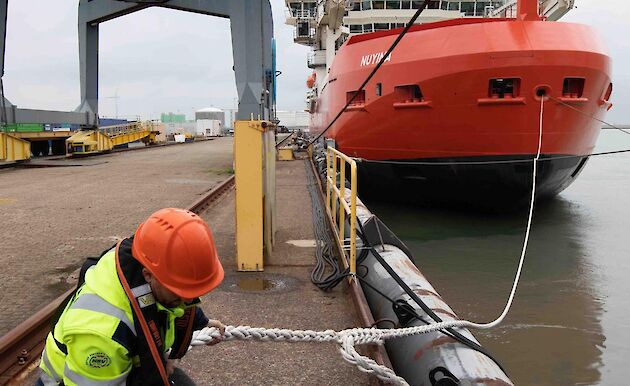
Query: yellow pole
{"type": "Point", "coordinates": [248, 165]}
{"type": "Point", "coordinates": [353, 218]}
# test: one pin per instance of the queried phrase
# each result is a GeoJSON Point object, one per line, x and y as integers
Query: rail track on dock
{"type": "Point", "coordinates": [21, 347]}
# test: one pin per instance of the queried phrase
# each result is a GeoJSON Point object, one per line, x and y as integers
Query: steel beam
{"type": "Point", "coordinates": [3, 32]}
{"type": "Point", "coordinates": [252, 33]}
{"type": "Point", "coordinates": [17, 115]}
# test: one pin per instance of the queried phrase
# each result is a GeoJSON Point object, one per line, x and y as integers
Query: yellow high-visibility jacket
{"type": "Point", "coordinates": [92, 341]}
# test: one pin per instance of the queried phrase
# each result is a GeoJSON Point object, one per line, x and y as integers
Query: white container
{"type": "Point", "coordinates": [180, 138]}
{"type": "Point", "coordinates": [209, 127]}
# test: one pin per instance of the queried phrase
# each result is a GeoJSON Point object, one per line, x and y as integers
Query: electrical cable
{"type": "Point", "coordinates": [380, 63]}
{"type": "Point", "coordinates": [326, 274]}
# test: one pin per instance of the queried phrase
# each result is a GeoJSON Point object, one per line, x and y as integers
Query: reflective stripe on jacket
{"type": "Point", "coordinates": [93, 341]}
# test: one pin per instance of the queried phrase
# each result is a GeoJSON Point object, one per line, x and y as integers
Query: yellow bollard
{"type": "Point", "coordinates": [251, 170]}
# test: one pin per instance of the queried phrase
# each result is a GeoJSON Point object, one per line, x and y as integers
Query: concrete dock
{"type": "Point", "coordinates": [291, 301]}
{"type": "Point", "coordinates": [53, 218]}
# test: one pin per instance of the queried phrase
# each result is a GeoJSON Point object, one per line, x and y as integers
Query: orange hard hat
{"type": "Point", "coordinates": [177, 247]}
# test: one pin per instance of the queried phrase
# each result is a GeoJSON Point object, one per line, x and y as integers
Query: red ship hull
{"type": "Point", "coordinates": [461, 113]}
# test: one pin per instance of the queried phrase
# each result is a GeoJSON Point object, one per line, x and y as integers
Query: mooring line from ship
{"type": "Point", "coordinates": [380, 63]}
{"type": "Point", "coordinates": [587, 114]}
{"type": "Point", "coordinates": [349, 338]}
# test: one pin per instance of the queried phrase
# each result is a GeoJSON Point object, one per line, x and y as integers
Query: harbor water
{"type": "Point", "coordinates": [570, 321]}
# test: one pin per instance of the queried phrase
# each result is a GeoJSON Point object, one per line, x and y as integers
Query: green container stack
{"type": "Point", "coordinates": [24, 127]}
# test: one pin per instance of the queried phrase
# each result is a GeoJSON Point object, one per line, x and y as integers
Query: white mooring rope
{"type": "Point", "coordinates": [348, 339]}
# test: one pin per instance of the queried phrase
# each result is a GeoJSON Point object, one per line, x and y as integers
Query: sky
{"type": "Point", "coordinates": [159, 60]}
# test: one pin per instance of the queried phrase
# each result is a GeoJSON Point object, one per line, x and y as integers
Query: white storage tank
{"type": "Point", "coordinates": [211, 113]}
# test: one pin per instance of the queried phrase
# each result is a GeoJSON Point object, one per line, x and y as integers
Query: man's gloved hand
{"type": "Point", "coordinates": [218, 325]}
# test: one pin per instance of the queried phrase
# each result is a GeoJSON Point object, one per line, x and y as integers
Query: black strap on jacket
{"type": "Point", "coordinates": [152, 323]}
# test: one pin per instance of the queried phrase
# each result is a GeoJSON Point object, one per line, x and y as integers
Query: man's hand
{"type": "Point", "coordinates": [218, 325]}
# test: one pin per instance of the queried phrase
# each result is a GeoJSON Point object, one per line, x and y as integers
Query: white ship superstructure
{"type": "Point", "coordinates": [324, 25]}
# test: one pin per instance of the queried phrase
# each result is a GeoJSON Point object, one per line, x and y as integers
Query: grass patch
{"type": "Point", "coordinates": [224, 172]}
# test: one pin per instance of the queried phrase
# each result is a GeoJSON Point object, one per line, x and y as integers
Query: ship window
{"type": "Point", "coordinates": [400, 25]}
{"type": "Point", "coordinates": [480, 8]}
{"type": "Point", "coordinates": [366, 5]}
{"type": "Point", "coordinates": [392, 4]}
{"type": "Point", "coordinates": [406, 4]}
{"type": "Point", "coordinates": [504, 88]}
{"type": "Point", "coordinates": [468, 8]}
{"type": "Point", "coordinates": [303, 29]}
{"type": "Point", "coordinates": [378, 4]}
{"type": "Point", "coordinates": [356, 28]}
{"type": "Point", "coordinates": [381, 26]}
{"type": "Point", "coordinates": [359, 100]}
{"type": "Point", "coordinates": [367, 28]}
{"type": "Point", "coordinates": [608, 92]}
{"type": "Point", "coordinates": [356, 6]}
{"type": "Point", "coordinates": [408, 93]}
{"type": "Point", "coordinates": [573, 87]}
{"type": "Point", "coordinates": [379, 89]}
{"type": "Point", "coordinates": [433, 4]}
{"type": "Point", "coordinates": [453, 6]}
{"type": "Point", "coordinates": [416, 4]}
{"type": "Point", "coordinates": [444, 5]}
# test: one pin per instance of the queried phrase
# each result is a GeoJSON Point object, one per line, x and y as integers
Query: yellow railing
{"type": "Point", "coordinates": [337, 205]}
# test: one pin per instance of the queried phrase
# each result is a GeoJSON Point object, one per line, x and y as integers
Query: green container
{"type": "Point", "coordinates": [24, 127]}
{"type": "Point", "coordinates": [173, 118]}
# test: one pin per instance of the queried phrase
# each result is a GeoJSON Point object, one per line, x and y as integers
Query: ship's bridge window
{"type": "Point", "coordinates": [381, 26]}
{"type": "Point", "coordinates": [356, 28]}
{"type": "Point", "coordinates": [367, 27]}
{"type": "Point", "coordinates": [366, 5]}
{"type": "Point", "coordinates": [392, 4]}
{"type": "Point", "coordinates": [378, 5]}
{"type": "Point", "coordinates": [433, 4]}
{"type": "Point", "coordinates": [504, 88]}
{"type": "Point", "coordinates": [408, 93]}
{"type": "Point", "coordinates": [453, 6]}
{"type": "Point", "coordinates": [405, 4]}
{"type": "Point", "coordinates": [416, 4]}
{"type": "Point", "coordinates": [573, 87]}
{"type": "Point", "coordinates": [444, 5]}
{"type": "Point", "coordinates": [359, 100]}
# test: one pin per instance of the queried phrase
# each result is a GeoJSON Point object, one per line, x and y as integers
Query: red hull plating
{"type": "Point", "coordinates": [453, 63]}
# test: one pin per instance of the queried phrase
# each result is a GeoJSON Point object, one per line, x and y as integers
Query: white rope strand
{"type": "Point", "coordinates": [348, 339]}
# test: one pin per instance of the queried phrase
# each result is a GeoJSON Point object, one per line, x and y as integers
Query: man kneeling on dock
{"type": "Point", "coordinates": [134, 304]}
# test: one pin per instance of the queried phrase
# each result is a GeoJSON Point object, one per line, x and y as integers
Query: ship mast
{"type": "Point", "coordinates": [527, 10]}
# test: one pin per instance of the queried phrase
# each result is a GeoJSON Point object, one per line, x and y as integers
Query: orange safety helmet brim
{"type": "Point", "coordinates": [178, 248]}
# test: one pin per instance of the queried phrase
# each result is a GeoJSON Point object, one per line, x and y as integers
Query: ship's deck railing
{"type": "Point", "coordinates": [340, 204]}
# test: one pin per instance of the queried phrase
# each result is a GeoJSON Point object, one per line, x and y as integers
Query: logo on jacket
{"type": "Point", "coordinates": [98, 360]}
